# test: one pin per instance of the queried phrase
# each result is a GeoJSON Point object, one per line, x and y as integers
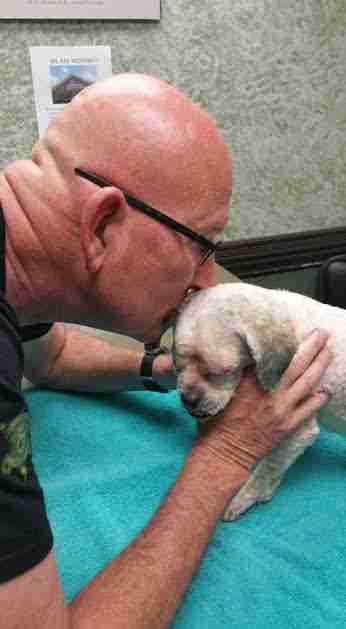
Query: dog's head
{"type": "Point", "coordinates": [209, 356]}
{"type": "Point", "coordinates": [217, 334]}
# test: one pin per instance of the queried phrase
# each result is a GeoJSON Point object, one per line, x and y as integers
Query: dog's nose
{"type": "Point", "coordinates": [190, 402]}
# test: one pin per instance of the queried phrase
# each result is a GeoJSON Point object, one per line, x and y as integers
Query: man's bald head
{"type": "Point", "coordinates": [146, 136]}
{"type": "Point", "coordinates": [89, 256]}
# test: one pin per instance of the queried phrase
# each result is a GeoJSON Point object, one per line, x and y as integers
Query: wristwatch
{"type": "Point", "coordinates": [151, 350]}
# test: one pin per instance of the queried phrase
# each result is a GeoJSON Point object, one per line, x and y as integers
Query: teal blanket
{"type": "Point", "coordinates": [105, 463]}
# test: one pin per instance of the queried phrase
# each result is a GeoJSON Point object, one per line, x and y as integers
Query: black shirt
{"type": "Point", "coordinates": [25, 534]}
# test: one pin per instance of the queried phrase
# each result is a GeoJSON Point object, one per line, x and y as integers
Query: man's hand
{"type": "Point", "coordinates": [164, 372]}
{"type": "Point", "coordinates": [255, 421]}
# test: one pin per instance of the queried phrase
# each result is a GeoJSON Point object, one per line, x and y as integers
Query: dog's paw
{"type": "Point", "coordinates": [237, 506]}
{"type": "Point", "coordinates": [249, 495]}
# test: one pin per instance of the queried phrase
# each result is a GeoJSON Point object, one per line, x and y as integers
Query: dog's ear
{"type": "Point", "coordinates": [271, 347]}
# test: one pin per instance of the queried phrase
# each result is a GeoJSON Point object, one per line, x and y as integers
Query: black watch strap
{"type": "Point", "coordinates": [146, 371]}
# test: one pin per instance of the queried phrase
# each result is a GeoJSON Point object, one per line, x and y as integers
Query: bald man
{"type": "Point", "coordinates": [81, 244]}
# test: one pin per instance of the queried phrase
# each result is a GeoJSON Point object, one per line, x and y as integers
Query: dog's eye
{"type": "Point", "coordinates": [218, 375]}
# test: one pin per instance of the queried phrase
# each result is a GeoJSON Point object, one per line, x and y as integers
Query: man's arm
{"type": "Point", "coordinates": [143, 586]}
{"type": "Point", "coordinates": [67, 358]}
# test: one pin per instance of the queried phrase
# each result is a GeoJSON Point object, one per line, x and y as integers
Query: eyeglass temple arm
{"type": "Point", "coordinates": [149, 210]}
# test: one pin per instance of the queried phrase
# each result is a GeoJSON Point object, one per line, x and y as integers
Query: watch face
{"type": "Point", "coordinates": [152, 348]}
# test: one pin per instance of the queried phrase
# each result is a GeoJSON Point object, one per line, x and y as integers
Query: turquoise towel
{"type": "Point", "coordinates": [105, 463]}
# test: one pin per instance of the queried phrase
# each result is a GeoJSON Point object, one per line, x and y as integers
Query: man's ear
{"type": "Point", "coordinates": [105, 206]}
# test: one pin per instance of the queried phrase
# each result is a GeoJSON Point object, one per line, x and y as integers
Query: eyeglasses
{"type": "Point", "coordinates": [208, 246]}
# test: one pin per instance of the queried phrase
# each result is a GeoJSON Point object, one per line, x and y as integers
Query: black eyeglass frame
{"type": "Point", "coordinates": [206, 244]}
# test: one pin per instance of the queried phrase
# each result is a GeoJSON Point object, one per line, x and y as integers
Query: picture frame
{"type": "Point", "coordinates": [80, 9]}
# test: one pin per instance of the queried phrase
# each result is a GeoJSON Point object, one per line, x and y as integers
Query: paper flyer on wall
{"type": "Point", "coordinates": [80, 9]}
{"type": "Point", "coordinates": [59, 73]}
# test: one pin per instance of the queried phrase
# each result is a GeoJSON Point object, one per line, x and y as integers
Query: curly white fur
{"type": "Point", "coordinates": [223, 329]}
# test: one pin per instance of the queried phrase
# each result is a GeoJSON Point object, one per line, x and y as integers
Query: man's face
{"type": "Point", "coordinates": [178, 163]}
{"type": "Point", "coordinates": [153, 273]}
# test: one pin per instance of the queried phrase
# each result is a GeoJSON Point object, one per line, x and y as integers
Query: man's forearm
{"type": "Point", "coordinates": [144, 585]}
{"type": "Point", "coordinates": [90, 363]}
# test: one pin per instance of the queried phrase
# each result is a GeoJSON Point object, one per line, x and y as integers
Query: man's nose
{"type": "Point", "coordinates": [205, 275]}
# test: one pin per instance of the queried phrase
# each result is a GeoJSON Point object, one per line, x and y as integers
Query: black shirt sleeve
{"type": "Point", "coordinates": [31, 332]}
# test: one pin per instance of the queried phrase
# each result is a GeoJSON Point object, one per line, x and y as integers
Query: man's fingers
{"type": "Point", "coordinates": [306, 384]}
{"type": "Point", "coordinates": [308, 408]}
{"type": "Point", "coordinates": [308, 360]}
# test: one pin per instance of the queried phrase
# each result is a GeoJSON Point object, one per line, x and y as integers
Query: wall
{"type": "Point", "coordinates": [271, 73]}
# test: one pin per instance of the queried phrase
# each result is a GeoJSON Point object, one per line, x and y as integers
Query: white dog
{"type": "Point", "coordinates": [221, 330]}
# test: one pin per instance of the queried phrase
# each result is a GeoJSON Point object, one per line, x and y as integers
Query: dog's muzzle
{"type": "Point", "coordinates": [189, 404]}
